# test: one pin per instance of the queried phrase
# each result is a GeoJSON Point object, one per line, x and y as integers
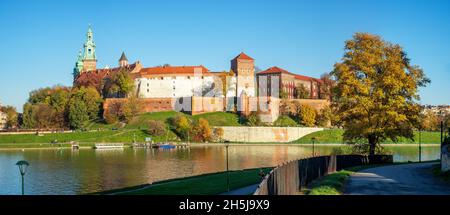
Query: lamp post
{"type": "Point", "coordinates": [23, 165]}
{"type": "Point", "coordinates": [313, 140]}
{"type": "Point", "coordinates": [228, 175]}
{"type": "Point", "coordinates": [420, 145]}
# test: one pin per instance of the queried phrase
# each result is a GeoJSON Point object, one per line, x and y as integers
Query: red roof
{"type": "Point", "coordinates": [173, 70]}
{"type": "Point", "coordinates": [102, 73]}
{"type": "Point", "coordinates": [277, 70]}
{"type": "Point", "coordinates": [243, 56]}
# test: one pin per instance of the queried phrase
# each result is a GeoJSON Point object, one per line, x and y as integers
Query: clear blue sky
{"type": "Point", "coordinates": [40, 40]}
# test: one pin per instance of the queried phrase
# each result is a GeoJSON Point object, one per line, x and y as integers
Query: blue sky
{"type": "Point", "coordinates": [40, 40]}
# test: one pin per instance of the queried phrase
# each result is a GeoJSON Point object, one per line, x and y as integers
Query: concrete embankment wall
{"type": "Point", "coordinates": [265, 134]}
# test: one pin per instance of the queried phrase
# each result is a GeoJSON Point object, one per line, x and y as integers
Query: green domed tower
{"type": "Point", "coordinates": [89, 58]}
{"type": "Point", "coordinates": [78, 65]}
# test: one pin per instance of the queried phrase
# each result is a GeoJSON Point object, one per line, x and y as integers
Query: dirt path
{"type": "Point", "coordinates": [406, 179]}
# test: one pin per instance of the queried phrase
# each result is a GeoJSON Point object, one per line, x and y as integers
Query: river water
{"type": "Point", "coordinates": [66, 171]}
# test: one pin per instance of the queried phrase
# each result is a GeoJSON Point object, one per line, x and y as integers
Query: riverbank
{"type": "Point", "coordinates": [205, 184]}
{"type": "Point", "coordinates": [30, 146]}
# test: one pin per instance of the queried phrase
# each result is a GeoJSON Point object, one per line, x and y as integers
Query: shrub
{"type": "Point", "coordinates": [307, 115]}
{"type": "Point", "coordinates": [156, 128]}
{"type": "Point", "coordinates": [285, 121]}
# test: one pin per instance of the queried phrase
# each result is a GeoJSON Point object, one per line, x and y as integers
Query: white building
{"type": "Point", "coordinates": [183, 81]}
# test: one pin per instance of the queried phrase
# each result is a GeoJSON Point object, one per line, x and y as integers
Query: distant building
{"type": "Point", "coordinates": [439, 110]}
{"type": "Point", "coordinates": [3, 118]}
{"type": "Point", "coordinates": [287, 82]}
{"type": "Point", "coordinates": [197, 82]}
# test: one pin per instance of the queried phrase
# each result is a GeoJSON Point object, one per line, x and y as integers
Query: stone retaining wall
{"type": "Point", "coordinates": [265, 134]}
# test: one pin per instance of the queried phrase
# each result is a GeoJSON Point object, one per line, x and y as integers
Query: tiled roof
{"type": "Point", "coordinates": [174, 70]}
{"type": "Point", "coordinates": [243, 56]}
{"type": "Point", "coordinates": [102, 73]}
{"type": "Point", "coordinates": [277, 70]}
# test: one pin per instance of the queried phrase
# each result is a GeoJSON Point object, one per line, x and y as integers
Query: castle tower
{"type": "Point", "coordinates": [244, 68]}
{"type": "Point", "coordinates": [123, 61]}
{"type": "Point", "coordinates": [89, 58]}
{"type": "Point", "coordinates": [78, 65]}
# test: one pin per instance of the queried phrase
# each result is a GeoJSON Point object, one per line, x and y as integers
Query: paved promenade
{"type": "Point", "coordinates": [405, 179]}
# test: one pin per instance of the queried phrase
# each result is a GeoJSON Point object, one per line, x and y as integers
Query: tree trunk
{"type": "Point", "coordinates": [372, 145]}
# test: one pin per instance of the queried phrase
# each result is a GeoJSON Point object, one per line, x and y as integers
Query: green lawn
{"type": "Point", "coordinates": [118, 136]}
{"type": "Point", "coordinates": [208, 184]}
{"type": "Point", "coordinates": [335, 136]}
{"type": "Point", "coordinates": [220, 118]}
{"type": "Point", "coordinates": [101, 132]}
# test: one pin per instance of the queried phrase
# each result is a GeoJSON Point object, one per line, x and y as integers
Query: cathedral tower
{"type": "Point", "coordinates": [123, 61]}
{"type": "Point", "coordinates": [89, 58]}
{"type": "Point", "coordinates": [244, 68]}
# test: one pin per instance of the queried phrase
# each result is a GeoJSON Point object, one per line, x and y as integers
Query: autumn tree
{"type": "Point", "coordinates": [326, 86]}
{"type": "Point", "coordinates": [306, 115]}
{"type": "Point", "coordinates": [301, 92]}
{"type": "Point", "coordinates": [202, 130]}
{"type": "Point", "coordinates": [11, 116]}
{"type": "Point", "coordinates": [429, 121]}
{"type": "Point", "coordinates": [182, 125]}
{"type": "Point", "coordinates": [218, 134]}
{"type": "Point", "coordinates": [324, 117]}
{"type": "Point", "coordinates": [156, 128]}
{"type": "Point", "coordinates": [377, 92]}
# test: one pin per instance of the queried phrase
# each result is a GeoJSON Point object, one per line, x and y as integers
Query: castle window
{"type": "Point", "coordinates": [189, 77]}
{"type": "Point", "coordinates": [162, 78]}
{"type": "Point", "coordinates": [148, 90]}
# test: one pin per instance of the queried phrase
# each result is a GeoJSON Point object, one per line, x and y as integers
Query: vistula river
{"type": "Point", "coordinates": [67, 171]}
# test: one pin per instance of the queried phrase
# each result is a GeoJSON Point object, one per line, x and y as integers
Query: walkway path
{"type": "Point", "coordinates": [405, 179]}
{"type": "Point", "coordinates": [242, 191]}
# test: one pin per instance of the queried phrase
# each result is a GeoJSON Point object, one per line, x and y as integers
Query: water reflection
{"type": "Point", "coordinates": [66, 171]}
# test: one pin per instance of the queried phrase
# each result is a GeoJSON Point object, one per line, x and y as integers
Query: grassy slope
{"type": "Point", "coordinates": [335, 136]}
{"type": "Point", "coordinates": [102, 132]}
{"type": "Point", "coordinates": [208, 184]}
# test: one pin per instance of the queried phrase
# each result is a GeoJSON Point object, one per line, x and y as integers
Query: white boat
{"type": "Point", "coordinates": [108, 145]}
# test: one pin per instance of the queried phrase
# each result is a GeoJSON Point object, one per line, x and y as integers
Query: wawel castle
{"type": "Point", "coordinates": [196, 89]}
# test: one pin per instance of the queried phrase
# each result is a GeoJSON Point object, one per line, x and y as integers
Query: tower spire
{"type": "Point", "coordinates": [89, 57]}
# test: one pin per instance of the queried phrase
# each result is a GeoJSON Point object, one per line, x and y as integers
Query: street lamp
{"type": "Point", "coordinates": [23, 165]}
{"type": "Point", "coordinates": [420, 145]}
{"type": "Point", "coordinates": [313, 140]}
{"type": "Point", "coordinates": [228, 174]}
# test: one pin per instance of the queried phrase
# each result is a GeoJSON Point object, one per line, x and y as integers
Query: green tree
{"type": "Point", "coordinates": [301, 92]}
{"type": "Point", "coordinates": [29, 116]}
{"type": "Point", "coordinates": [377, 92]}
{"type": "Point", "coordinates": [306, 115]}
{"type": "Point", "coordinates": [78, 113]}
{"type": "Point", "coordinates": [119, 85]}
{"type": "Point", "coordinates": [91, 100]}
